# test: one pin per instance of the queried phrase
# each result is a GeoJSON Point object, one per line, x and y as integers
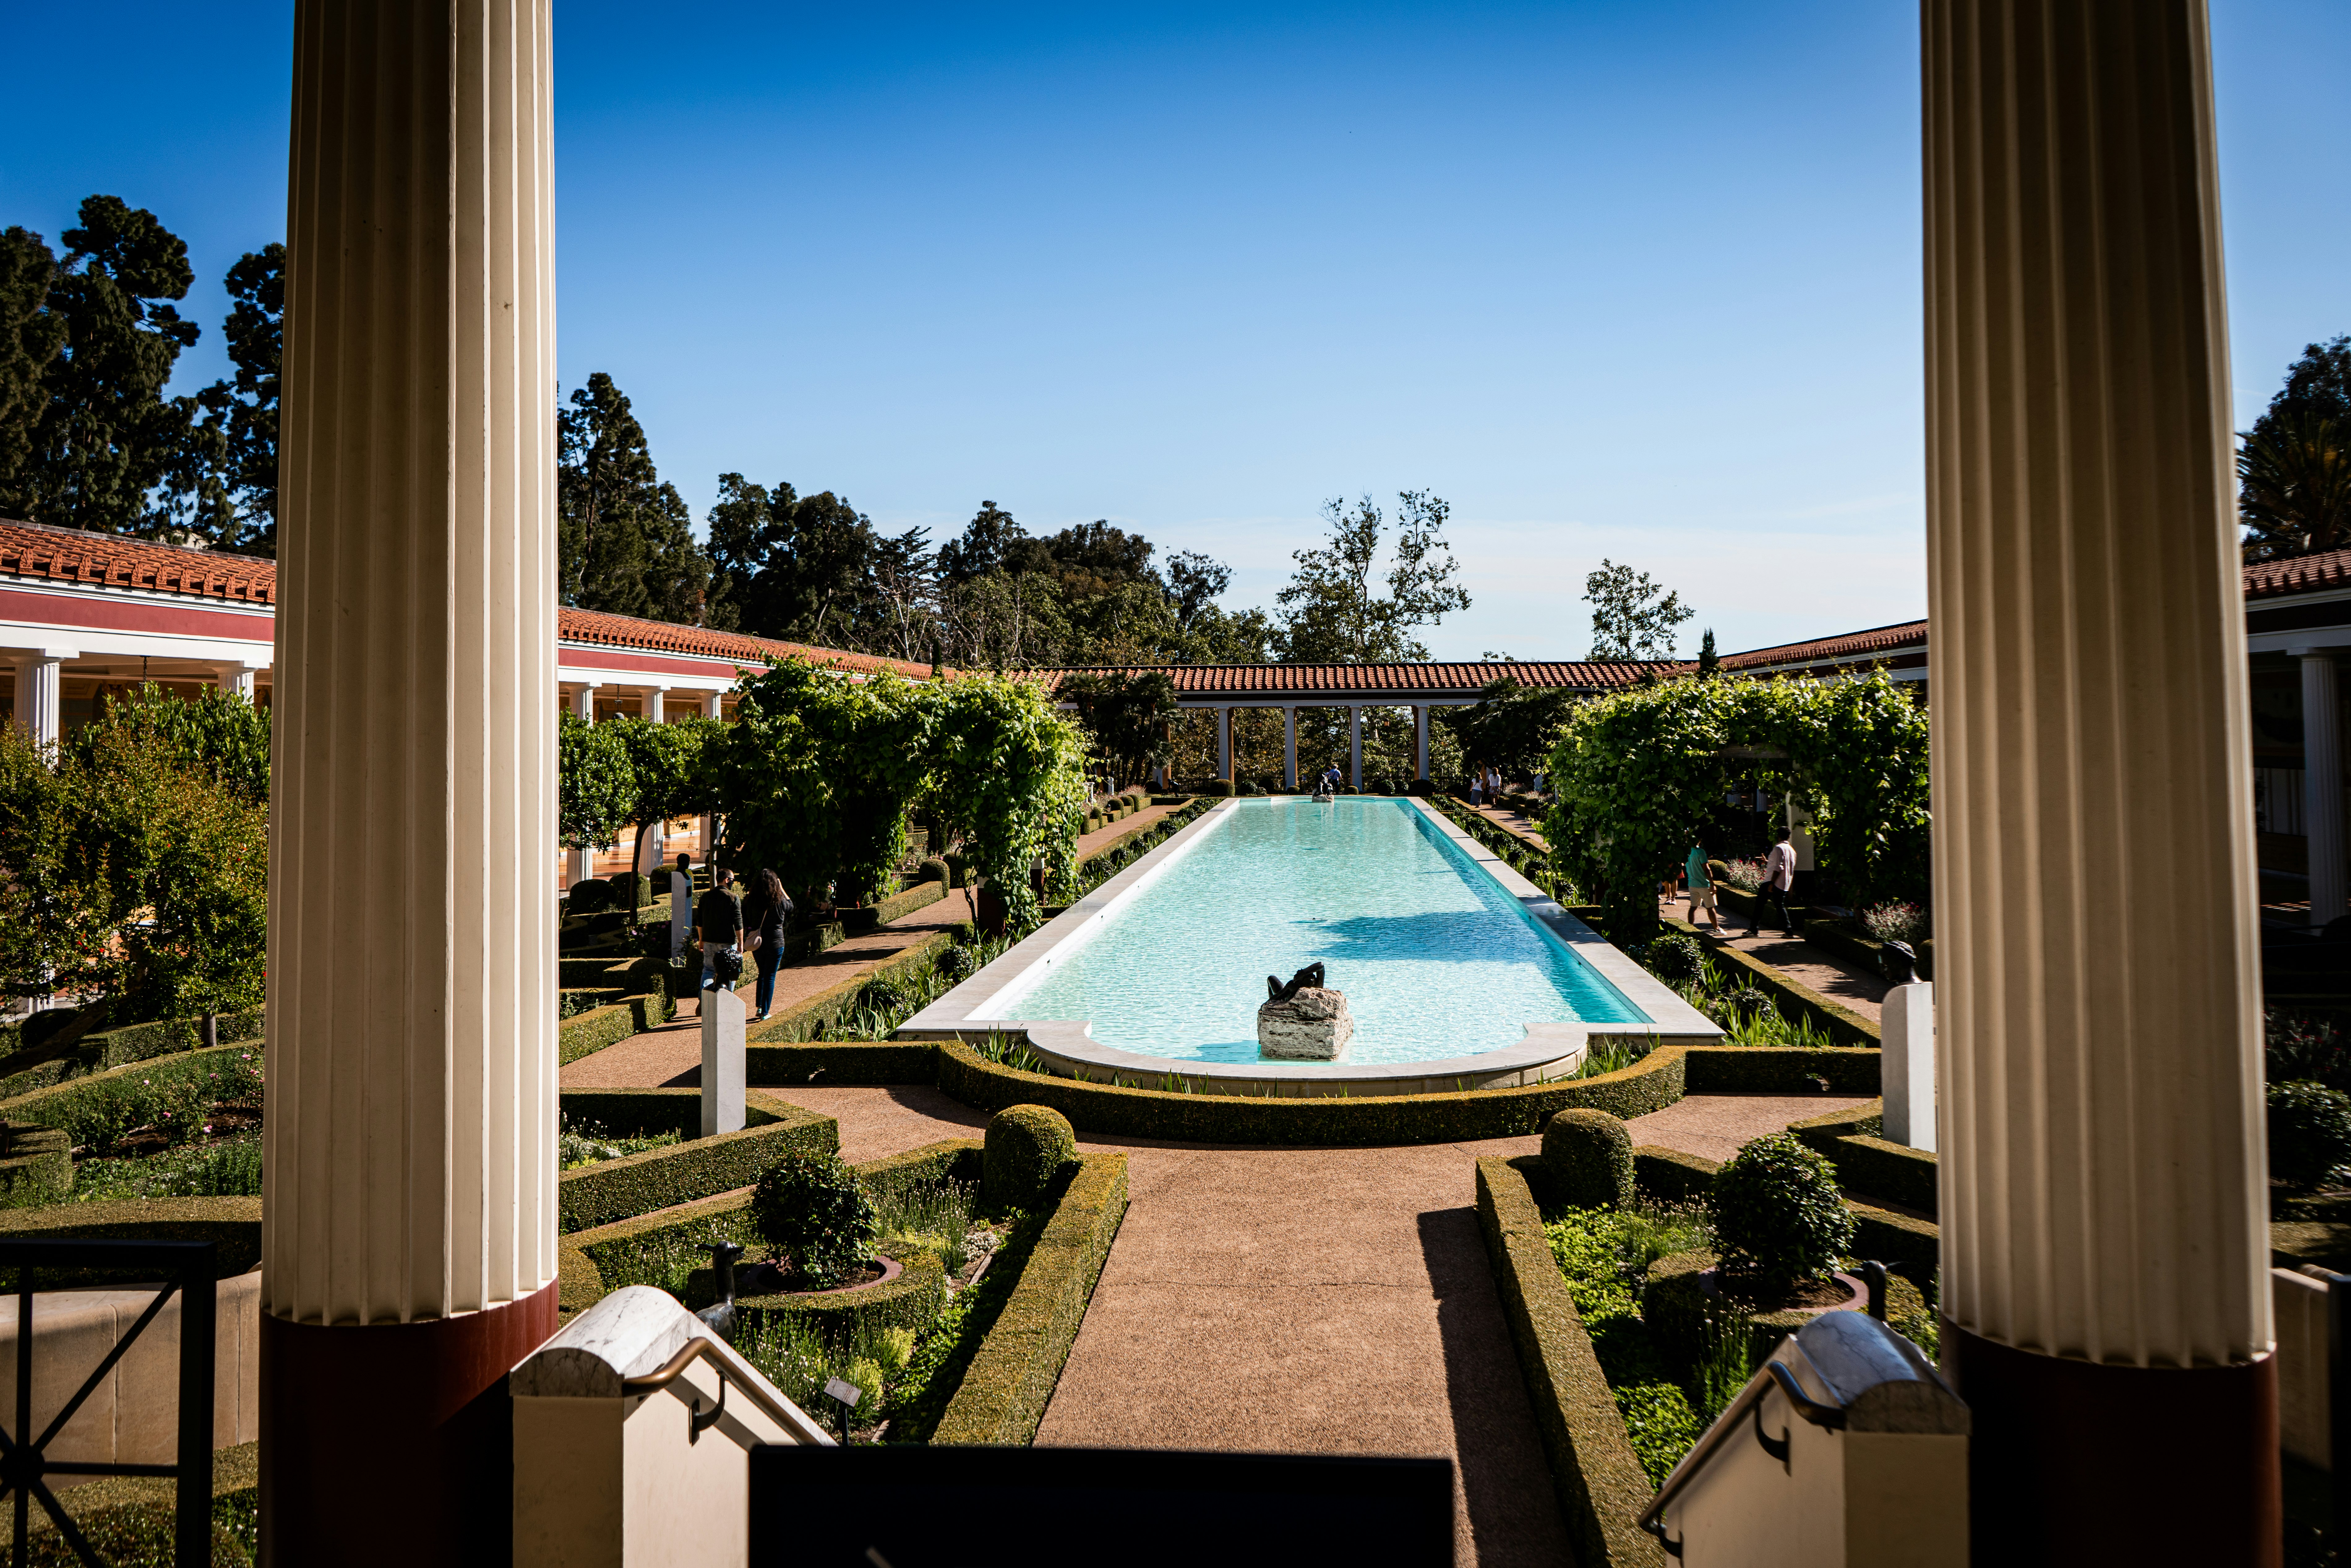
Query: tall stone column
{"type": "Point", "coordinates": [1420, 743]}
{"type": "Point", "coordinates": [408, 1240]}
{"type": "Point", "coordinates": [1356, 745]}
{"type": "Point", "coordinates": [237, 680]}
{"type": "Point", "coordinates": [2103, 1203]}
{"type": "Point", "coordinates": [1224, 743]}
{"type": "Point", "coordinates": [2322, 783]}
{"type": "Point", "coordinates": [41, 695]}
{"type": "Point", "coordinates": [1289, 748]}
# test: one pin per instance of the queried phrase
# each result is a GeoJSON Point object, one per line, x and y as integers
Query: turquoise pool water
{"type": "Point", "coordinates": [1436, 959]}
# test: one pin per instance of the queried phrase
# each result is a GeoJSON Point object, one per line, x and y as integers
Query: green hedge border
{"type": "Point", "coordinates": [234, 1222]}
{"type": "Point", "coordinates": [911, 1300]}
{"type": "Point", "coordinates": [1897, 1241]}
{"type": "Point", "coordinates": [659, 1179]}
{"type": "Point", "coordinates": [101, 1050]}
{"type": "Point", "coordinates": [1868, 1164]}
{"type": "Point", "coordinates": [1857, 948]}
{"type": "Point", "coordinates": [864, 1063]}
{"type": "Point", "coordinates": [805, 1019]}
{"type": "Point", "coordinates": [1003, 1396]}
{"type": "Point", "coordinates": [869, 918]}
{"type": "Point", "coordinates": [592, 1031]}
{"type": "Point", "coordinates": [1792, 999]}
{"type": "Point", "coordinates": [1603, 1490]}
{"type": "Point", "coordinates": [36, 1167]}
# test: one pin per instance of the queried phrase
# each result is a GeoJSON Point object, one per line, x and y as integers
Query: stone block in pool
{"type": "Point", "coordinates": [1311, 1025]}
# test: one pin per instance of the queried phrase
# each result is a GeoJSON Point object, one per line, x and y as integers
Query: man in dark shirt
{"type": "Point", "coordinates": [717, 924]}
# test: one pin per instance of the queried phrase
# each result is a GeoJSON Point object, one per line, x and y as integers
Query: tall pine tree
{"type": "Point", "coordinates": [30, 336]}
{"type": "Point", "coordinates": [244, 409]}
{"type": "Point", "coordinates": [624, 539]}
{"type": "Point", "coordinates": [106, 438]}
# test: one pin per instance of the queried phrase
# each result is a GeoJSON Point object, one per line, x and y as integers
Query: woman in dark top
{"type": "Point", "coordinates": [764, 912]}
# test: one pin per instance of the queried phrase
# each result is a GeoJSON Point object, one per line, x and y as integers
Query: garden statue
{"type": "Point", "coordinates": [1304, 1020]}
{"type": "Point", "coordinates": [1901, 963]}
{"type": "Point", "coordinates": [1275, 991]}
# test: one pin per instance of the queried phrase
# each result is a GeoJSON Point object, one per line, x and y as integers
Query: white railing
{"type": "Point", "coordinates": [1845, 1448]}
{"type": "Point", "coordinates": [632, 1429]}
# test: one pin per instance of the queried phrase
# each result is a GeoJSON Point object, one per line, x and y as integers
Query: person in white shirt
{"type": "Point", "coordinates": [1779, 875]}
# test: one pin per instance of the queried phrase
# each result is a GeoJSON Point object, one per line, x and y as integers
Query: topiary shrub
{"type": "Point", "coordinates": [1778, 1215]}
{"type": "Point", "coordinates": [1676, 960]}
{"type": "Point", "coordinates": [1218, 789]}
{"type": "Point", "coordinates": [932, 868]}
{"type": "Point", "coordinates": [2310, 1132]}
{"type": "Point", "coordinates": [955, 965]}
{"type": "Point", "coordinates": [1590, 1156]}
{"type": "Point", "coordinates": [809, 1209]}
{"type": "Point", "coordinates": [592, 896]}
{"type": "Point", "coordinates": [882, 995]}
{"type": "Point", "coordinates": [630, 891]}
{"type": "Point", "coordinates": [1024, 1151]}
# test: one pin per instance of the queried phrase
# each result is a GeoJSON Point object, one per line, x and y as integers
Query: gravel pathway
{"type": "Point", "coordinates": [1715, 1127]}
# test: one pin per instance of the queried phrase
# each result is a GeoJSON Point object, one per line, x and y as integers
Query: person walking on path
{"type": "Point", "coordinates": [1779, 875]}
{"type": "Point", "coordinates": [764, 909]}
{"type": "Point", "coordinates": [718, 927]}
{"type": "Point", "coordinates": [1702, 888]}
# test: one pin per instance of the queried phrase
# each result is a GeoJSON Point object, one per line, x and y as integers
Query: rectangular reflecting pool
{"type": "Point", "coordinates": [1438, 960]}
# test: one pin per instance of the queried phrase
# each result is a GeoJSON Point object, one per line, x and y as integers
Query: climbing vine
{"type": "Point", "coordinates": [1010, 778]}
{"type": "Point", "coordinates": [1636, 772]}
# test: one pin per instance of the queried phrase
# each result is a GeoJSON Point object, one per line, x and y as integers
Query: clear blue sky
{"type": "Point", "coordinates": [1625, 281]}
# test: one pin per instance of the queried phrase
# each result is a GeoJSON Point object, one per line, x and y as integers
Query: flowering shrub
{"type": "Point", "coordinates": [1895, 922]}
{"type": "Point", "coordinates": [172, 1094]}
{"type": "Point", "coordinates": [2300, 1046]}
{"type": "Point", "coordinates": [1744, 875]}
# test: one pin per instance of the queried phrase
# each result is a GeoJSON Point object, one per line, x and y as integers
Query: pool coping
{"type": "Point", "coordinates": [1547, 1051]}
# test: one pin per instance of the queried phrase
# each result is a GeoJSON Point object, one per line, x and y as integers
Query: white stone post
{"type": "Point", "coordinates": [237, 680]}
{"type": "Point", "coordinates": [653, 707]}
{"type": "Point", "coordinates": [681, 909]}
{"type": "Point", "coordinates": [1420, 741]}
{"type": "Point", "coordinates": [1356, 745]}
{"type": "Point", "coordinates": [40, 697]}
{"type": "Point", "coordinates": [408, 1232]}
{"type": "Point", "coordinates": [713, 704]}
{"type": "Point", "coordinates": [2322, 782]}
{"type": "Point", "coordinates": [1224, 743]}
{"type": "Point", "coordinates": [1289, 748]}
{"type": "Point", "coordinates": [2104, 1202]}
{"type": "Point", "coordinates": [723, 1067]}
{"type": "Point", "coordinates": [1906, 1068]}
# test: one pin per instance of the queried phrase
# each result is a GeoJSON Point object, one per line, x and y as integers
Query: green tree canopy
{"type": "Point", "coordinates": [1009, 775]}
{"type": "Point", "coordinates": [1636, 773]}
{"type": "Point", "coordinates": [1127, 715]}
{"type": "Point", "coordinates": [244, 407]}
{"type": "Point", "coordinates": [30, 337]}
{"type": "Point", "coordinates": [668, 774]}
{"type": "Point", "coordinates": [2293, 466]}
{"type": "Point", "coordinates": [1513, 726]}
{"type": "Point", "coordinates": [596, 788]}
{"type": "Point", "coordinates": [219, 735]}
{"type": "Point", "coordinates": [1632, 617]}
{"type": "Point", "coordinates": [1330, 613]}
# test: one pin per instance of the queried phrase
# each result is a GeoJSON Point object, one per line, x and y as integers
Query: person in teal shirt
{"type": "Point", "coordinates": [1701, 889]}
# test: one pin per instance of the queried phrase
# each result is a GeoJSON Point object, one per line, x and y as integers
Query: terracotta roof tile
{"type": "Point", "coordinates": [1401, 681]}
{"type": "Point", "coordinates": [1907, 637]}
{"type": "Point", "coordinates": [76, 556]}
{"type": "Point", "coordinates": [661, 636]}
{"type": "Point", "coordinates": [2298, 574]}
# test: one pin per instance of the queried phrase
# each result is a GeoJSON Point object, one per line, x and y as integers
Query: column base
{"type": "Point", "coordinates": [2074, 1462]}
{"type": "Point", "coordinates": [394, 1443]}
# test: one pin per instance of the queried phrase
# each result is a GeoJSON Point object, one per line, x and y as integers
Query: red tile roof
{"type": "Point", "coordinates": [1880, 641]}
{"type": "Point", "coordinates": [2298, 574]}
{"type": "Point", "coordinates": [661, 636]}
{"type": "Point", "coordinates": [107, 560]}
{"type": "Point", "coordinates": [76, 556]}
{"type": "Point", "coordinates": [1401, 680]}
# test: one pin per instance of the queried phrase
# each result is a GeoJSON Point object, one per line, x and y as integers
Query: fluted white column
{"type": "Point", "coordinates": [2322, 782]}
{"type": "Point", "coordinates": [40, 696]}
{"type": "Point", "coordinates": [1356, 745]}
{"type": "Point", "coordinates": [1224, 743]}
{"type": "Point", "coordinates": [409, 1211]}
{"type": "Point", "coordinates": [1289, 748]}
{"type": "Point", "coordinates": [1420, 742]}
{"type": "Point", "coordinates": [710, 706]}
{"type": "Point", "coordinates": [2103, 1222]}
{"type": "Point", "coordinates": [237, 680]}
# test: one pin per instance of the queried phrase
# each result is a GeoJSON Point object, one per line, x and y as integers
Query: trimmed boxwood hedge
{"type": "Point", "coordinates": [92, 1109]}
{"type": "Point", "coordinates": [662, 1178]}
{"type": "Point", "coordinates": [1794, 1000]}
{"type": "Point", "coordinates": [35, 1165]}
{"type": "Point", "coordinates": [834, 1062]}
{"type": "Point", "coordinates": [1650, 1084]}
{"type": "Point", "coordinates": [592, 1031]}
{"type": "Point", "coordinates": [1670, 1174]}
{"type": "Point", "coordinates": [1781, 1069]}
{"type": "Point", "coordinates": [1004, 1393]}
{"type": "Point", "coordinates": [588, 1260]}
{"type": "Point", "coordinates": [647, 1113]}
{"type": "Point", "coordinates": [911, 1300]}
{"type": "Point", "coordinates": [23, 1071]}
{"type": "Point", "coordinates": [1869, 1164]}
{"type": "Point", "coordinates": [1603, 1490]}
{"type": "Point", "coordinates": [234, 1222]}
{"type": "Point", "coordinates": [1897, 1241]}
{"type": "Point", "coordinates": [812, 1016]}
{"type": "Point", "coordinates": [872, 917]}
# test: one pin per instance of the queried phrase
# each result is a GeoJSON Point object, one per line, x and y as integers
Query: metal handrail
{"type": "Point", "coordinates": [1770, 1376]}
{"type": "Point", "coordinates": [702, 1347]}
{"type": "Point", "coordinates": [192, 1271]}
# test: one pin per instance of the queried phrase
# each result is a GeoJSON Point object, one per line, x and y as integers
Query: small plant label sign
{"type": "Point", "coordinates": [848, 1393]}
